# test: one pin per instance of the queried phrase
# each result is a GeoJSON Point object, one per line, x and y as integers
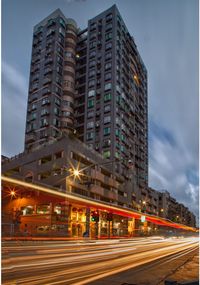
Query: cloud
{"type": "Point", "coordinates": [14, 98]}
{"type": "Point", "coordinates": [173, 169]}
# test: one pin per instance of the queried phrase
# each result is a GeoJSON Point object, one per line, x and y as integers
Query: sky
{"type": "Point", "coordinates": [166, 34]}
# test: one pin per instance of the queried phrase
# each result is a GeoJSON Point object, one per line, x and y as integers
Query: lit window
{"type": "Point", "coordinates": [108, 86]}
{"type": "Point", "coordinates": [108, 36]}
{"type": "Point", "coordinates": [117, 132]}
{"type": "Point", "coordinates": [106, 131]}
{"type": "Point", "coordinates": [90, 125]}
{"type": "Point", "coordinates": [107, 108]}
{"type": "Point", "coordinates": [106, 154]}
{"type": "Point", "coordinates": [62, 31]}
{"type": "Point", "coordinates": [90, 114]}
{"type": "Point", "coordinates": [107, 97]}
{"type": "Point", "coordinates": [91, 93]}
{"type": "Point", "coordinates": [90, 103]}
{"type": "Point", "coordinates": [90, 136]}
{"type": "Point", "coordinates": [107, 119]}
{"type": "Point", "coordinates": [44, 122]}
{"type": "Point", "coordinates": [108, 65]}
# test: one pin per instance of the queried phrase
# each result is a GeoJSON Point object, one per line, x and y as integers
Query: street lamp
{"type": "Point", "coordinates": [76, 173]}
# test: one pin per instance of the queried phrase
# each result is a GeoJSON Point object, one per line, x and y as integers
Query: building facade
{"type": "Point", "coordinates": [92, 82]}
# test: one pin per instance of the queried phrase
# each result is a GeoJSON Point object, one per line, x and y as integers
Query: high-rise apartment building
{"type": "Point", "coordinates": [92, 81]}
{"type": "Point", "coordinates": [52, 79]}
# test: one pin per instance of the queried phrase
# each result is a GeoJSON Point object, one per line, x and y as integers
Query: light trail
{"type": "Point", "coordinates": [85, 266]}
{"type": "Point", "coordinates": [97, 204]}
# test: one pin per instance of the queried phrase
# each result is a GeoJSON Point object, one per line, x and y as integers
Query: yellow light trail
{"type": "Point", "coordinates": [99, 205]}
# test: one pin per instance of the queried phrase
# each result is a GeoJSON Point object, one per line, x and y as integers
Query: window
{"type": "Point", "coordinates": [118, 89]}
{"type": "Point", "coordinates": [117, 154]}
{"type": "Point", "coordinates": [108, 36]}
{"type": "Point", "coordinates": [59, 69]}
{"type": "Point", "coordinates": [91, 93]}
{"type": "Point", "coordinates": [90, 136]}
{"type": "Point", "coordinates": [90, 103]}
{"type": "Point", "coordinates": [108, 17]}
{"type": "Point", "coordinates": [108, 26]}
{"type": "Point", "coordinates": [108, 65]}
{"type": "Point", "coordinates": [107, 97]}
{"type": "Point", "coordinates": [108, 56]}
{"type": "Point", "coordinates": [107, 119]}
{"type": "Point", "coordinates": [44, 122]}
{"type": "Point", "coordinates": [92, 73]}
{"type": "Point", "coordinates": [108, 46]}
{"type": "Point", "coordinates": [106, 154]}
{"type": "Point", "coordinates": [92, 54]}
{"type": "Point", "coordinates": [122, 148]}
{"type": "Point", "coordinates": [58, 80]}
{"type": "Point", "coordinates": [56, 122]}
{"type": "Point", "coordinates": [69, 54]}
{"type": "Point", "coordinates": [93, 26]}
{"type": "Point", "coordinates": [58, 90]}
{"type": "Point", "coordinates": [67, 114]}
{"type": "Point", "coordinates": [90, 114]}
{"type": "Point", "coordinates": [107, 76]}
{"type": "Point", "coordinates": [91, 83]}
{"type": "Point", "coordinates": [62, 31]}
{"type": "Point", "coordinates": [106, 131]}
{"type": "Point", "coordinates": [56, 111]}
{"type": "Point", "coordinates": [66, 103]}
{"type": "Point", "coordinates": [117, 132]}
{"type": "Point", "coordinates": [93, 44]}
{"type": "Point", "coordinates": [34, 107]}
{"type": "Point", "coordinates": [117, 120]}
{"type": "Point", "coordinates": [106, 142]}
{"type": "Point", "coordinates": [44, 112]}
{"type": "Point", "coordinates": [92, 35]}
{"type": "Point", "coordinates": [44, 209]}
{"type": "Point", "coordinates": [90, 125]}
{"type": "Point", "coordinates": [59, 59]}
{"type": "Point", "coordinates": [57, 101]}
{"type": "Point", "coordinates": [62, 22]}
{"type": "Point", "coordinates": [108, 86]}
{"type": "Point", "coordinates": [45, 101]}
{"type": "Point", "coordinates": [92, 63]}
{"type": "Point", "coordinates": [107, 108]}
{"type": "Point", "coordinates": [33, 116]}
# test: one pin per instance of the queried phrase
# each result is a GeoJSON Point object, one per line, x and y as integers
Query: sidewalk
{"type": "Point", "coordinates": [189, 271]}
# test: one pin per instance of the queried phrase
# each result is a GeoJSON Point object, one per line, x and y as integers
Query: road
{"type": "Point", "coordinates": [92, 262]}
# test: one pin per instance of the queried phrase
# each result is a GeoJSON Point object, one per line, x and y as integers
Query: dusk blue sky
{"type": "Point", "coordinates": [166, 34]}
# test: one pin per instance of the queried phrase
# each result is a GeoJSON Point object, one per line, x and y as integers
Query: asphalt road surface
{"type": "Point", "coordinates": [101, 262]}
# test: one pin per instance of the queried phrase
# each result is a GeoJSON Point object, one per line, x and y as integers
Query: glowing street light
{"type": "Point", "coordinates": [12, 193]}
{"type": "Point", "coordinates": [144, 202]}
{"type": "Point", "coordinates": [76, 173]}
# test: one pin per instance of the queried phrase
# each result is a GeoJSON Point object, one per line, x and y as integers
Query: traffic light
{"type": "Point", "coordinates": [95, 216]}
{"type": "Point", "coordinates": [109, 217]}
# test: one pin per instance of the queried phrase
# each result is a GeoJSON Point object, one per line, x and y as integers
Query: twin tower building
{"type": "Point", "coordinates": [91, 84]}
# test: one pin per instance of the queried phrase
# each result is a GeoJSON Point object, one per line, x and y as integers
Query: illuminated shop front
{"type": "Point", "coordinates": [35, 210]}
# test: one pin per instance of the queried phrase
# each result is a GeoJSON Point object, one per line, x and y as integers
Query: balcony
{"type": "Point", "coordinates": [30, 138]}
